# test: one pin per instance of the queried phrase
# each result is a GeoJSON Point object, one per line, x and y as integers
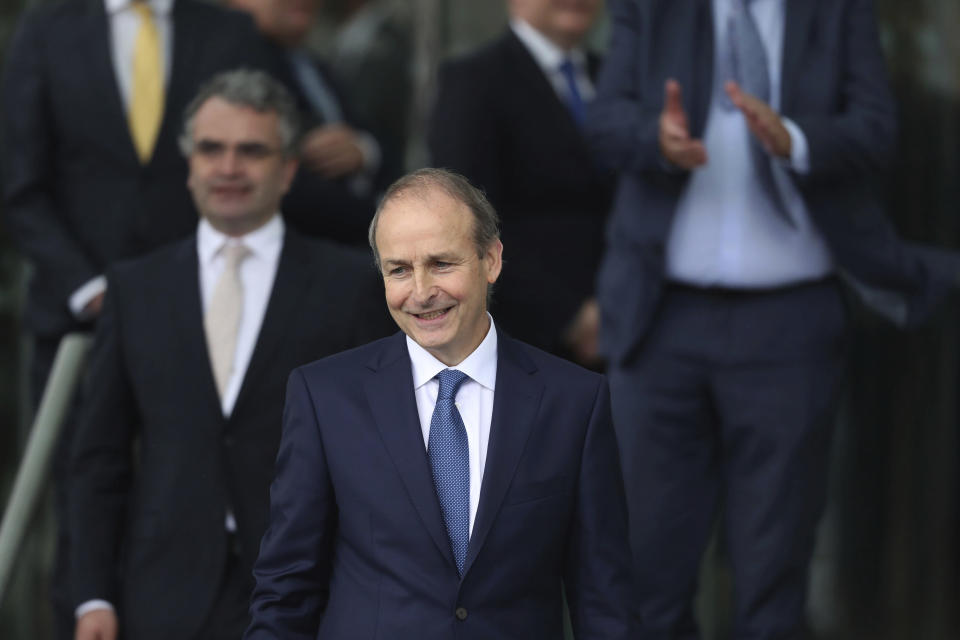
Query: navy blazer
{"type": "Point", "coordinates": [834, 87]}
{"type": "Point", "coordinates": [357, 546]}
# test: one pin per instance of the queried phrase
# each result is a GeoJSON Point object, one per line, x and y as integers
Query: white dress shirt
{"type": "Point", "coordinates": [549, 57]}
{"type": "Point", "coordinates": [726, 231]}
{"type": "Point", "coordinates": [474, 401]}
{"type": "Point", "coordinates": [257, 272]}
{"type": "Point", "coordinates": [124, 24]}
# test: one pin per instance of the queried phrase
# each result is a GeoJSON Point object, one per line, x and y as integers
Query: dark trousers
{"type": "Point", "coordinates": [731, 401]}
{"type": "Point", "coordinates": [229, 616]}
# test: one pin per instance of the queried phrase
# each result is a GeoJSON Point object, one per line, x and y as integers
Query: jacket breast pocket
{"type": "Point", "coordinates": [539, 489]}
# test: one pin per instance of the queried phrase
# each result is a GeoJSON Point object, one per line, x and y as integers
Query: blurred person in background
{"type": "Point", "coordinates": [340, 162]}
{"type": "Point", "coordinates": [93, 93]}
{"type": "Point", "coordinates": [751, 138]}
{"type": "Point", "coordinates": [510, 117]}
{"type": "Point", "coordinates": [181, 415]}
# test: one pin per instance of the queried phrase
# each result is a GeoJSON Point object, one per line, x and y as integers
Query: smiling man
{"type": "Point", "coordinates": [448, 481]}
{"type": "Point", "coordinates": [195, 343]}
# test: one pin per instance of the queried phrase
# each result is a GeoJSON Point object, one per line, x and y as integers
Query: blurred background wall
{"type": "Point", "coordinates": [889, 560]}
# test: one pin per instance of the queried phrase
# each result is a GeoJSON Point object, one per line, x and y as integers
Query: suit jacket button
{"type": "Point", "coordinates": [461, 613]}
{"type": "Point", "coordinates": [229, 441]}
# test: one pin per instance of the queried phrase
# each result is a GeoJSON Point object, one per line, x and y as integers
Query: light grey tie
{"type": "Point", "coordinates": [222, 320]}
{"type": "Point", "coordinates": [744, 60]}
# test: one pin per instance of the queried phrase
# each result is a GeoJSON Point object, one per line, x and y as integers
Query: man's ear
{"type": "Point", "coordinates": [493, 259]}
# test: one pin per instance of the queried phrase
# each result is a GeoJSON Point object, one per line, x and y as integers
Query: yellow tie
{"type": "Point", "coordinates": [146, 98]}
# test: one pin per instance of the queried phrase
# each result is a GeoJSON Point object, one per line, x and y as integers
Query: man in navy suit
{"type": "Point", "coordinates": [750, 137]}
{"type": "Point", "coordinates": [448, 481]}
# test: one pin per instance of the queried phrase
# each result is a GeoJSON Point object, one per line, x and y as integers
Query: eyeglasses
{"type": "Point", "coordinates": [245, 151]}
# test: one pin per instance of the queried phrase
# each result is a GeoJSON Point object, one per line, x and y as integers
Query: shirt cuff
{"type": "Point", "coordinates": [799, 150]}
{"type": "Point", "coordinates": [92, 605]}
{"type": "Point", "coordinates": [82, 296]}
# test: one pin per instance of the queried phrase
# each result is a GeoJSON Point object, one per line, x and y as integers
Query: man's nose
{"type": "Point", "coordinates": [423, 286]}
{"type": "Point", "coordinates": [230, 162]}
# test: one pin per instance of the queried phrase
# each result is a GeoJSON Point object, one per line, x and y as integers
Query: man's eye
{"type": "Point", "coordinates": [397, 271]}
{"type": "Point", "coordinates": [254, 151]}
{"type": "Point", "coordinates": [209, 149]}
{"type": "Point", "coordinates": [442, 265]}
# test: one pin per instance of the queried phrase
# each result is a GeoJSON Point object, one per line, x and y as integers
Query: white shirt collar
{"type": "Point", "coordinates": [480, 366]}
{"type": "Point", "coordinates": [158, 7]}
{"type": "Point", "coordinates": [548, 55]}
{"type": "Point", "coordinates": [210, 241]}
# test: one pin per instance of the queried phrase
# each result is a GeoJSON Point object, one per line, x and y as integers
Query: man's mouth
{"type": "Point", "coordinates": [432, 315]}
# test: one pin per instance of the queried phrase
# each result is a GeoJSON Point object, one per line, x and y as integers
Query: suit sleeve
{"type": "Point", "coordinates": [462, 134]}
{"type": "Point", "coordinates": [101, 467]}
{"type": "Point", "coordinates": [623, 124]}
{"type": "Point", "coordinates": [598, 575]}
{"type": "Point", "coordinates": [293, 569]}
{"type": "Point", "coordinates": [29, 165]}
{"type": "Point", "coordinates": [859, 138]}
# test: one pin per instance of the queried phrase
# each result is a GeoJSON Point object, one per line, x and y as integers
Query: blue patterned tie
{"type": "Point", "coordinates": [745, 61]}
{"type": "Point", "coordinates": [574, 101]}
{"type": "Point", "coordinates": [450, 463]}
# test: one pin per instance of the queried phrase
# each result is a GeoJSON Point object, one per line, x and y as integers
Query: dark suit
{"type": "Point", "coordinates": [357, 547]}
{"type": "Point", "coordinates": [75, 195]}
{"type": "Point", "coordinates": [731, 393]}
{"type": "Point", "coordinates": [499, 122]}
{"type": "Point", "coordinates": [149, 534]}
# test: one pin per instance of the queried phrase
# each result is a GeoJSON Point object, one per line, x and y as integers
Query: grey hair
{"type": "Point", "coordinates": [247, 88]}
{"type": "Point", "coordinates": [486, 224]}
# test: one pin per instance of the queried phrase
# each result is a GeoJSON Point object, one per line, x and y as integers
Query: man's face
{"type": "Point", "coordinates": [284, 21]}
{"type": "Point", "coordinates": [565, 22]}
{"type": "Point", "coordinates": [435, 283]}
{"type": "Point", "coordinates": [238, 172]}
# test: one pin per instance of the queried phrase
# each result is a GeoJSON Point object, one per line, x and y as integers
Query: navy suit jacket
{"type": "Point", "coordinates": [357, 546]}
{"type": "Point", "coordinates": [834, 87]}
{"type": "Point", "coordinates": [75, 194]}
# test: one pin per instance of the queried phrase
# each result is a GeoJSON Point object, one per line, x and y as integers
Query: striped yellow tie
{"type": "Point", "coordinates": [146, 97]}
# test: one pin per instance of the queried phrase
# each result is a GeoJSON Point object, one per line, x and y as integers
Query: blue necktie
{"type": "Point", "coordinates": [574, 101]}
{"type": "Point", "coordinates": [745, 61]}
{"type": "Point", "coordinates": [450, 463]}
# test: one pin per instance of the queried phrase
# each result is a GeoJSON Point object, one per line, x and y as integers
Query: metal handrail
{"type": "Point", "coordinates": [35, 464]}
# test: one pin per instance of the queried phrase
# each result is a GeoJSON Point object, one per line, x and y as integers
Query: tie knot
{"type": "Point", "coordinates": [450, 381]}
{"type": "Point", "coordinates": [234, 254]}
{"type": "Point", "coordinates": [567, 68]}
{"type": "Point", "coordinates": [142, 8]}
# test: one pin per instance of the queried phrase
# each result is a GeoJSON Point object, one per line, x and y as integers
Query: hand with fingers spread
{"type": "Point", "coordinates": [676, 145]}
{"type": "Point", "coordinates": [764, 122]}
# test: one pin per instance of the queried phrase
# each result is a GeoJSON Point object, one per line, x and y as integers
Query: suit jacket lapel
{"type": "Point", "coordinates": [291, 283]}
{"type": "Point", "coordinates": [184, 292]}
{"type": "Point", "coordinates": [798, 23]}
{"type": "Point", "coordinates": [391, 398]}
{"type": "Point", "coordinates": [515, 403]}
